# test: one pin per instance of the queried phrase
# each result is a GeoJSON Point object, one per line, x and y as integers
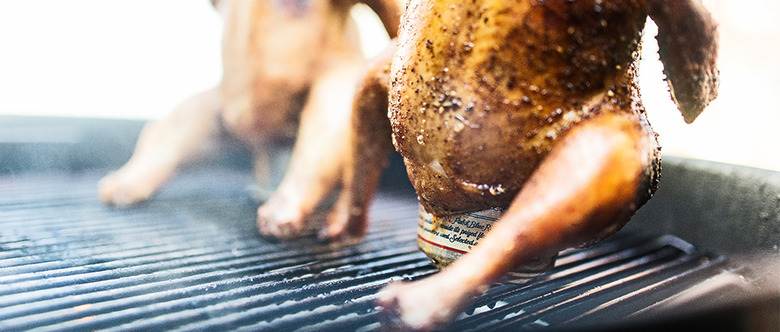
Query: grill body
{"type": "Point", "coordinates": [191, 258]}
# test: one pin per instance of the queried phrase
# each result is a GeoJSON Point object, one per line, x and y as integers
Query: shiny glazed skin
{"type": "Point", "coordinates": [480, 95]}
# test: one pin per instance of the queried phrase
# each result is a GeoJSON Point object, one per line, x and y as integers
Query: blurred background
{"type": "Point", "coordinates": [137, 59]}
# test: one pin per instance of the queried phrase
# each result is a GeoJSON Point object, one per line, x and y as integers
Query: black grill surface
{"type": "Point", "coordinates": [191, 259]}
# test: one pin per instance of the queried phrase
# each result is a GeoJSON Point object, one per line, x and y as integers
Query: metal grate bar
{"type": "Point", "coordinates": [259, 260]}
{"type": "Point", "coordinates": [573, 282]}
{"type": "Point", "coordinates": [192, 260]}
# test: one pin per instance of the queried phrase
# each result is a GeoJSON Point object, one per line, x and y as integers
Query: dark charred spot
{"type": "Point", "coordinates": [510, 83]}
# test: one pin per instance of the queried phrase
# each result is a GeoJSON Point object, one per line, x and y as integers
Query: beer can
{"type": "Point", "coordinates": [444, 239]}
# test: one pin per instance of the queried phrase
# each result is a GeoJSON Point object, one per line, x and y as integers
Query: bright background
{"type": "Point", "coordinates": [140, 58]}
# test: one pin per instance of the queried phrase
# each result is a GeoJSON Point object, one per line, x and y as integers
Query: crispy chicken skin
{"type": "Point", "coordinates": [472, 138]}
{"type": "Point", "coordinates": [532, 106]}
{"type": "Point", "coordinates": [290, 68]}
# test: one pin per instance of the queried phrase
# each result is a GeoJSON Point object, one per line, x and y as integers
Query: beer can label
{"type": "Point", "coordinates": [445, 239]}
{"type": "Point", "coordinates": [449, 237]}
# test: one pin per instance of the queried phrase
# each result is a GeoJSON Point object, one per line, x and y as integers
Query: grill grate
{"type": "Point", "coordinates": [191, 259]}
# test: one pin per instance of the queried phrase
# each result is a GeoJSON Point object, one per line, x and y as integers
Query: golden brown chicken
{"type": "Point", "coordinates": [526, 111]}
{"type": "Point", "coordinates": [289, 69]}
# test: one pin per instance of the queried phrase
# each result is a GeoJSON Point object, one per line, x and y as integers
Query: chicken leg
{"type": "Point", "coordinates": [584, 191]}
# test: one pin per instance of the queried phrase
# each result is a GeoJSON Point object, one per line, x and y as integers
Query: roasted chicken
{"type": "Point", "coordinates": [529, 108]}
{"type": "Point", "coordinates": [290, 68]}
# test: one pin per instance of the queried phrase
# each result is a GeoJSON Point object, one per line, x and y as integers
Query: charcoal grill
{"type": "Point", "coordinates": [703, 253]}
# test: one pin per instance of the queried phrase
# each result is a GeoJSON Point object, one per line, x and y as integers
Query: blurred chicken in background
{"type": "Point", "coordinates": [290, 69]}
